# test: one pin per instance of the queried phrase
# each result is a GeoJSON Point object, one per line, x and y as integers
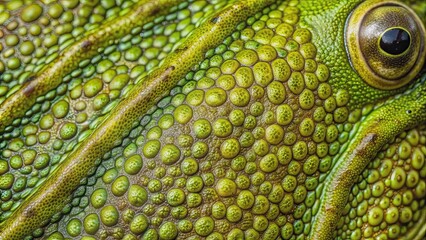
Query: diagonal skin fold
{"type": "Point", "coordinates": [52, 75]}
{"type": "Point", "coordinates": [53, 194]}
{"type": "Point", "coordinates": [378, 129]}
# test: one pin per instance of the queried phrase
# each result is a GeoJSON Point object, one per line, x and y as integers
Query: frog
{"type": "Point", "coordinates": [256, 119]}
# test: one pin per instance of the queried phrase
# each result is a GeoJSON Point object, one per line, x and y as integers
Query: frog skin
{"type": "Point", "coordinates": [169, 119]}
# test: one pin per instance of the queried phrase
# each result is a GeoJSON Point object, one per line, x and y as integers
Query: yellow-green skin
{"type": "Point", "coordinates": [136, 116]}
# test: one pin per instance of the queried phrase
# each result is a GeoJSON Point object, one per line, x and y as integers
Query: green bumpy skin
{"type": "Point", "coordinates": [202, 120]}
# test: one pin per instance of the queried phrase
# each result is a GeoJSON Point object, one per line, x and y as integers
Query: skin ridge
{"type": "Point", "coordinates": [52, 75]}
{"type": "Point", "coordinates": [379, 128]}
{"type": "Point", "coordinates": [82, 160]}
{"type": "Point", "coordinates": [419, 230]}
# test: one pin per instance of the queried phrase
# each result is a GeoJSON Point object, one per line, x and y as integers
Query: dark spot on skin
{"type": "Point", "coordinates": [86, 44]}
{"type": "Point", "coordinates": [372, 137]}
{"type": "Point", "coordinates": [214, 20]}
{"type": "Point", "coordinates": [31, 78]}
{"type": "Point", "coordinates": [29, 88]}
{"type": "Point", "coordinates": [331, 209]}
{"type": "Point", "coordinates": [181, 49]}
{"type": "Point", "coordinates": [155, 11]}
{"type": "Point", "coordinates": [363, 148]}
{"type": "Point", "coordinates": [30, 212]}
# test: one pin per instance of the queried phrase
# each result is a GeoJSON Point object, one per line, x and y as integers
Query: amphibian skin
{"type": "Point", "coordinates": [254, 119]}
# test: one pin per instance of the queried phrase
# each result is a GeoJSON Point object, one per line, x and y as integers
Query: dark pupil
{"type": "Point", "coordinates": [395, 41]}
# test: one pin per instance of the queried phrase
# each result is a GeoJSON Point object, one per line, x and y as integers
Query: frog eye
{"type": "Point", "coordinates": [395, 41]}
{"type": "Point", "coordinates": [386, 43]}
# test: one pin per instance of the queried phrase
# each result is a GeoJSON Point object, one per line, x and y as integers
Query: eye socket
{"type": "Point", "coordinates": [385, 43]}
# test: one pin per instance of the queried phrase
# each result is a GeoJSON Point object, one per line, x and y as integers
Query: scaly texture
{"type": "Point", "coordinates": [201, 119]}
